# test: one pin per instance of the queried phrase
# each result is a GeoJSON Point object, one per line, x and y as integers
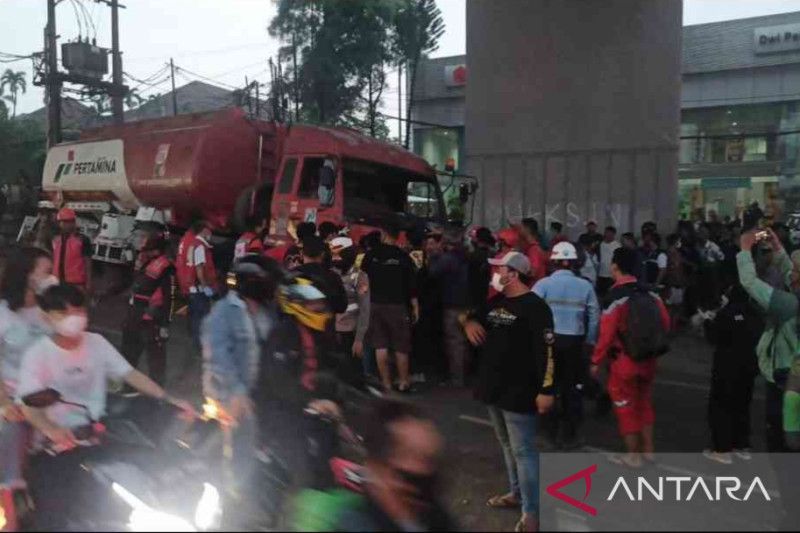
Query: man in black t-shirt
{"type": "Point", "coordinates": [516, 378]}
{"type": "Point", "coordinates": [392, 287]}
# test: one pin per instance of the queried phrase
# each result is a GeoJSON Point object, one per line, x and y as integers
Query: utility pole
{"type": "Point", "coordinates": [118, 94]}
{"type": "Point", "coordinates": [258, 101]}
{"type": "Point", "coordinates": [400, 104]}
{"type": "Point", "coordinates": [174, 94]}
{"type": "Point", "coordinates": [52, 82]}
{"type": "Point", "coordinates": [296, 90]}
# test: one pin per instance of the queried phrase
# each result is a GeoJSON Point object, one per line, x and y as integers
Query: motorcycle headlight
{"type": "Point", "coordinates": [208, 513]}
{"type": "Point", "coordinates": [147, 519]}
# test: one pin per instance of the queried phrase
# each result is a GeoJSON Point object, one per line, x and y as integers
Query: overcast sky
{"type": "Point", "coordinates": [226, 40]}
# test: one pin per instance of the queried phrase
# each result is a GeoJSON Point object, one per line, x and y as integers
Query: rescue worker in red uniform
{"type": "Point", "coordinates": [147, 324]}
{"type": "Point", "coordinates": [250, 242]}
{"type": "Point", "coordinates": [183, 262]}
{"type": "Point", "coordinates": [630, 381]}
{"type": "Point", "coordinates": [72, 253]}
{"type": "Point", "coordinates": [204, 281]}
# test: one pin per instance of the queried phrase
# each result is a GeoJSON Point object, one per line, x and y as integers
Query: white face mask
{"type": "Point", "coordinates": [71, 326]}
{"type": "Point", "coordinates": [45, 283]}
{"type": "Point", "coordinates": [496, 283]}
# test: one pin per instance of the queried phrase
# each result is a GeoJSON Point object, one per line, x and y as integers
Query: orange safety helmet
{"type": "Point", "coordinates": [510, 236]}
{"type": "Point", "coordinates": [65, 214]}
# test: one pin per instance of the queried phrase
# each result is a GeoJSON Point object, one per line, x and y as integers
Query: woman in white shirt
{"type": "Point", "coordinates": [28, 271]}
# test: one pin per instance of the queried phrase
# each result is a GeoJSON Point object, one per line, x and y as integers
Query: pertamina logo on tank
{"type": "Point", "coordinates": [98, 165]}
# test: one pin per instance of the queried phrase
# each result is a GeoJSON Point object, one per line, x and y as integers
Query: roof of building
{"type": "Point", "coordinates": [716, 46]}
{"type": "Point", "coordinates": [729, 44]}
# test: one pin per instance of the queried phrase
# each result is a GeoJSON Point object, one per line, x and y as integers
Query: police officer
{"type": "Point", "coordinates": [146, 327]}
{"type": "Point", "coordinates": [72, 253]}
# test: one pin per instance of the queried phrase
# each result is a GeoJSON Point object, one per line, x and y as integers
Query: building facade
{"type": "Point", "coordinates": [739, 122]}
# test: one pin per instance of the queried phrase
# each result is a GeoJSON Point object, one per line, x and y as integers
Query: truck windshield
{"type": "Point", "coordinates": [374, 189]}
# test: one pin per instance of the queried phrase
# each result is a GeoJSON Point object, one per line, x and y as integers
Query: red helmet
{"type": "Point", "coordinates": [65, 214]}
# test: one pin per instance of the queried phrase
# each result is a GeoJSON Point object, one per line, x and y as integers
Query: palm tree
{"type": "Point", "coordinates": [15, 81]}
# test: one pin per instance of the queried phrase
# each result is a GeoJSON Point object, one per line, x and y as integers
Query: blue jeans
{"type": "Point", "coordinates": [517, 433]}
{"type": "Point", "coordinates": [14, 442]}
{"type": "Point", "coordinates": [199, 306]}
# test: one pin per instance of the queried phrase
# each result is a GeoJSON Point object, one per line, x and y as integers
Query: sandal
{"type": "Point", "coordinates": [622, 459]}
{"type": "Point", "coordinates": [504, 501]}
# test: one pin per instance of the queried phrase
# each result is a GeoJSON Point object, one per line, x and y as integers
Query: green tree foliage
{"type": "Point", "coordinates": [22, 148]}
{"type": "Point", "coordinates": [418, 26]}
{"type": "Point", "coordinates": [342, 49]}
{"type": "Point", "coordinates": [15, 83]}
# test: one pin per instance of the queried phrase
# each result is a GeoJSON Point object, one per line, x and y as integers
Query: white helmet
{"type": "Point", "coordinates": [340, 243]}
{"type": "Point", "coordinates": [564, 251]}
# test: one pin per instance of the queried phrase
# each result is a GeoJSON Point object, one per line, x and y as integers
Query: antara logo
{"type": "Point", "coordinates": [554, 489]}
{"type": "Point", "coordinates": [670, 488]}
{"type": "Point", "coordinates": [697, 487]}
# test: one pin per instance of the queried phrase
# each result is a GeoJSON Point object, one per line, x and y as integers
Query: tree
{"type": "Point", "coordinates": [15, 82]}
{"type": "Point", "coordinates": [334, 51]}
{"type": "Point", "coordinates": [133, 99]}
{"type": "Point", "coordinates": [418, 26]}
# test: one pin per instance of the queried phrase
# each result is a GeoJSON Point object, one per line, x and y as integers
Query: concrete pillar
{"type": "Point", "coordinates": [573, 111]}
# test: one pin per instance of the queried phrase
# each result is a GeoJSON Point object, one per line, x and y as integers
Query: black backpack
{"type": "Point", "coordinates": [646, 336]}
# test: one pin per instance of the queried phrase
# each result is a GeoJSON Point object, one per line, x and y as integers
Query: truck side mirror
{"type": "Point", "coordinates": [464, 193]}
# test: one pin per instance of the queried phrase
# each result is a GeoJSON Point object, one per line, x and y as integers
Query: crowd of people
{"type": "Point", "coordinates": [529, 319]}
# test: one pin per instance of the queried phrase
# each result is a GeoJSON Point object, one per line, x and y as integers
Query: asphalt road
{"type": "Point", "coordinates": [474, 467]}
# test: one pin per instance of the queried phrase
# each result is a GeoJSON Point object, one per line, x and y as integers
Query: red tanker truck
{"type": "Point", "coordinates": [224, 166]}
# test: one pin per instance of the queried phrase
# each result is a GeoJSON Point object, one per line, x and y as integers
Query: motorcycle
{"type": "Point", "coordinates": [122, 474]}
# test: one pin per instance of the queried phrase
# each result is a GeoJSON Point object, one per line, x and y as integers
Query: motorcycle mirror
{"type": "Point", "coordinates": [41, 399]}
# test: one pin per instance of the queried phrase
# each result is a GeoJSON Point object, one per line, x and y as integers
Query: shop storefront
{"type": "Point", "coordinates": [740, 117]}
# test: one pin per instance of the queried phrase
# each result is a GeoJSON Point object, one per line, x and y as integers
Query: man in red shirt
{"type": "Point", "coordinates": [72, 253]}
{"type": "Point", "coordinates": [630, 380]}
{"type": "Point", "coordinates": [529, 245]}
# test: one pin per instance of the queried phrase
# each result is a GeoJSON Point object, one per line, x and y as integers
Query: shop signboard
{"type": "Point", "coordinates": [726, 183]}
{"type": "Point", "coordinates": [772, 39]}
{"type": "Point", "coordinates": [455, 75]}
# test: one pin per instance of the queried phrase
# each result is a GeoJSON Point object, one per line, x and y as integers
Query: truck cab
{"type": "Point", "coordinates": [372, 182]}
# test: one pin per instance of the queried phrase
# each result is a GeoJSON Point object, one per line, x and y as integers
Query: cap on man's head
{"type": "Point", "coordinates": [591, 223]}
{"type": "Point", "coordinates": [65, 214]}
{"type": "Point", "coordinates": [514, 260]}
{"type": "Point", "coordinates": [564, 251]}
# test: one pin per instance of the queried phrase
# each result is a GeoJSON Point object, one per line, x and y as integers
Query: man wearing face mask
{"type": "Point", "coordinates": [147, 324]}
{"type": "Point", "coordinates": [404, 451]}
{"type": "Point", "coordinates": [516, 378]}
{"type": "Point", "coordinates": [78, 365]}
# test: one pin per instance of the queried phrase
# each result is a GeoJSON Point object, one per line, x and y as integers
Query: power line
{"type": "Point", "coordinates": [77, 18]}
{"type": "Point", "coordinates": [204, 52]}
{"type": "Point", "coordinates": [205, 78]}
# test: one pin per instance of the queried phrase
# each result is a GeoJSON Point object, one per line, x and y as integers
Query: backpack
{"type": "Point", "coordinates": [646, 336]}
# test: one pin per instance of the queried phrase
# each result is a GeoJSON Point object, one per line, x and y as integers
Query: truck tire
{"type": "Point", "coordinates": [257, 196]}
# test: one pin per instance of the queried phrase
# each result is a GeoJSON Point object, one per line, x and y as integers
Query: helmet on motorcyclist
{"type": "Point", "coordinates": [302, 300]}
{"type": "Point", "coordinates": [256, 278]}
